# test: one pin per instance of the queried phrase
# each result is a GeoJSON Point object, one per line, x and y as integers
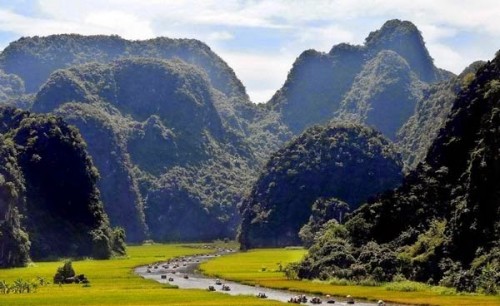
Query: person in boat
{"type": "Point", "coordinates": [316, 300]}
{"type": "Point", "coordinates": [349, 300]}
{"type": "Point", "coordinates": [303, 298]}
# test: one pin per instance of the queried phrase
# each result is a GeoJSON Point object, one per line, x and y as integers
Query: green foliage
{"type": "Point", "coordinates": [322, 211]}
{"type": "Point", "coordinates": [431, 111]}
{"type": "Point", "coordinates": [50, 205]}
{"type": "Point", "coordinates": [407, 286]}
{"type": "Point", "coordinates": [118, 186]}
{"type": "Point", "coordinates": [14, 241]}
{"type": "Point", "coordinates": [180, 178]}
{"type": "Point", "coordinates": [101, 244]}
{"type": "Point", "coordinates": [35, 58]}
{"type": "Point", "coordinates": [383, 95]}
{"type": "Point", "coordinates": [429, 242]}
{"type": "Point", "coordinates": [489, 280]}
{"type": "Point", "coordinates": [118, 245]}
{"type": "Point", "coordinates": [11, 87]}
{"type": "Point", "coordinates": [291, 270]}
{"type": "Point", "coordinates": [440, 226]}
{"type": "Point", "coordinates": [343, 161]}
{"type": "Point", "coordinates": [378, 83]}
{"type": "Point", "coordinates": [20, 286]}
{"type": "Point", "coordinates": [64, 272]}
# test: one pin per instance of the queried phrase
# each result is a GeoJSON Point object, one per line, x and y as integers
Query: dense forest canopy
{"type": "Point", "coordinates": [50, 202]}
{"type": "Point", "coordinates": [443, 224]}
{"type": "Point", "coordinates": [344, 161]}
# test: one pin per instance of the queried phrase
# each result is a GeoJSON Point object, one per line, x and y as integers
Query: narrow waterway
{"type": "Point", "coordinates": [183, 272]}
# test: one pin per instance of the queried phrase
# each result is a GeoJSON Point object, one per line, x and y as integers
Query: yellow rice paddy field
{"type": "Point", "coordinates": [261, 267]}
{"type": "Point", "coordinates": [114, 283]}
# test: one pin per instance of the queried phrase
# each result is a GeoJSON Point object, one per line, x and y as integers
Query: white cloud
{"type": "Point", "coordinates": [447, 58]}
{"type": "Point", "coordinates": [321, 38]}
{"type": "Point", "coordinates": [297, 24]}
{"type": "Point", "coordinates": [128, 25]}
{"type": "Point", "coordinates": [218, 36]}
{"type": "Point", "coordinates": [262, 75]}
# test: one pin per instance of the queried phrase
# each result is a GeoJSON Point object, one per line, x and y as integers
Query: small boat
{"type": "Point", "coordinates": [262, 295]}
{"type": "Point", "coordinates": [316, 300]}
{"type": "Point", "coordinates": [349, 299]}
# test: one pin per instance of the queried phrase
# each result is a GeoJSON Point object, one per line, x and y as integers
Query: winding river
{"type": "Point", "coordinates": [183, 272]}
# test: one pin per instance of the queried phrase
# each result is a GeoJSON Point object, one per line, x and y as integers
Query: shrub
{"type": "Point", "coordinates": [64, 272]}
{"type": "Point", "coordinates": [291, 270]}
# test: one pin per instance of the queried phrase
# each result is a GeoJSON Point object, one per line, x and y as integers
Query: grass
{"type": "Point", "coordinates": [261, 267]}
{"type": "Point", "coordinates": [114, 283]}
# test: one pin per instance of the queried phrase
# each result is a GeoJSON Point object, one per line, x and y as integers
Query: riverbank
{"type": "Point", "coordinates": [262, 267]}
{"type": "Point", "coordinates": [112, 282]}
{"type": "Point", "coordinates": [182, 273]}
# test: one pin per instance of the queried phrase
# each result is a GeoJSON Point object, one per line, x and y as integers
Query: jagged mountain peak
{"type": "Point", "coordinates": [404, 38]}
{"type": "Point", "coordinates": [392, 29]}
{"type": "Point", "coordinates": [318, 83]}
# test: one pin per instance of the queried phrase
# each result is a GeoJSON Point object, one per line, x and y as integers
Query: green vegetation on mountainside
{"type": "Point", "coordinates": [344, 161]}
{"type": "Point", "coordinates": [443, 224]}
{"type": "Point", "coordinates": [50, 203]}
{"type": "Point", "coordinates": [156, 136]}
{"type": "Point", "coordinates": [378, 83]}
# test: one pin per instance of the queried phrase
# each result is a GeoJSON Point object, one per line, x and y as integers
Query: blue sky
{"type": "Point", "coordinates": [261, 39]}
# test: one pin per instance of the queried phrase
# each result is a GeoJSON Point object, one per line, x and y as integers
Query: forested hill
{"type": "Point", "coordinates": [443, 224]}
{"type": "Point", "coordinates": [431, 111]}
{"type": "Point", "coordinates": [343, 161]}
{"type": "Point", "coordinates": [49, 202]}
{"type": "Point", "coordinates": [33, 59]}
{"type": "Point", "coordinates": [169, 126]}
{"type": "Point", "coordinates": [168, 163]}
{"type": "Point", "coordinates": [378, 83]}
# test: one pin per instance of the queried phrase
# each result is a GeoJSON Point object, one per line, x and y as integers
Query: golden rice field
{"type": "Point", "coordinates": [114, 283]}
{"type": "Point", "coordinates": [262, 267]}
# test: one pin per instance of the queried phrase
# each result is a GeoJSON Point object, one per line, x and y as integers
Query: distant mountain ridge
{"type": "Point", "coordinates": [44, 55]}
{"type": "Point", "coordinates": [343, 82]}
{"type": "Point", "coordinates": [174, 136]}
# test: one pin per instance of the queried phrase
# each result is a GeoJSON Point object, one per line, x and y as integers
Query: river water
{"type": "Point", "coordinates": [185, 275]}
